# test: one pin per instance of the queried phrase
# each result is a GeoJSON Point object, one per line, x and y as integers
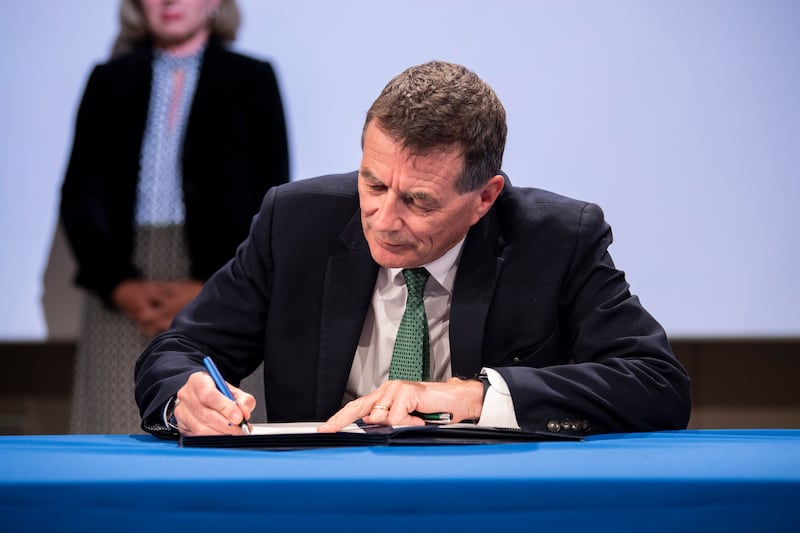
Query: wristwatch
{"type": "Point", "coordinates": [169, 412]}
{"type": "Point", "coordinates": [483, 378]}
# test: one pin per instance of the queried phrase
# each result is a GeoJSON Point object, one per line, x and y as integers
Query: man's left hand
{"type": "Point", "coordinates": [393, 403]}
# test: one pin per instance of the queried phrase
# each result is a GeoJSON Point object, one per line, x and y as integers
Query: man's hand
{"type": "Point", "coordinates": [394, 401]}
{"type": "Point", "coordinates": [202, 410]}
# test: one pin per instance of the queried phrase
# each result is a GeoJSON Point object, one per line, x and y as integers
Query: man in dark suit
{"type": "Point", "coordinates": [528, 322]}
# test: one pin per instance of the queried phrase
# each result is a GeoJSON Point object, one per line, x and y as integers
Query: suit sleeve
{"type": "Point", "coordinates": [623, 375]}
{"type": "Point", "coordinates": [226, 320]}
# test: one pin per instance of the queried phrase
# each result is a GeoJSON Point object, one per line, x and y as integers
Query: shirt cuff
{"type": "Point", "coordinates": [498, 408]}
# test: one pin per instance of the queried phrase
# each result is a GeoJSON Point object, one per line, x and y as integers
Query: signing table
{"type": "Point", "coordinates": [667, 481]}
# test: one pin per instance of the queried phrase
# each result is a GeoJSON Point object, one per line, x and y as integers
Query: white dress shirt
{"type": "Point", "coordinates": [376, 344]}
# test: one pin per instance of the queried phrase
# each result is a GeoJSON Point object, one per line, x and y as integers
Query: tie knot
{"type": "Point", "coordinates": [415, 280]}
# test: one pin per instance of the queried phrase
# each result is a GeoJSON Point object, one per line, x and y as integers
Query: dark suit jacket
{"type": "Point", "coordinates": [234, 149]}
{"type": "Point", "coordinates": [535, 291]}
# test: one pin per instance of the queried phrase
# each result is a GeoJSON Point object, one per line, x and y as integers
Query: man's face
{"type": "Point", "coordinates": [410, 210]}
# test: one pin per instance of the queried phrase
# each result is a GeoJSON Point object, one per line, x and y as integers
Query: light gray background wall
{"type": "Point", "coordinates": [680, 118]}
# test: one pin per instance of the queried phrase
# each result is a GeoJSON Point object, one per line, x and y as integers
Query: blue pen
{"type": "Point", "coordinates": [222, 387]}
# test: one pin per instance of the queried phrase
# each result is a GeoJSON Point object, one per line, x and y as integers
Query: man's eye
{"type": "Point", "coordinates": [423, 207]}
{"type": "Point", "coordinates": [418, 204]}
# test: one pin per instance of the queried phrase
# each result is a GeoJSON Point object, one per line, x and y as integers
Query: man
{"type": "Point", "coordinates": [525, 321]}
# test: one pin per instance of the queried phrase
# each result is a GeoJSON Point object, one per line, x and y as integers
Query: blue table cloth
{"type": "Point", "coordinates": [665, 481]}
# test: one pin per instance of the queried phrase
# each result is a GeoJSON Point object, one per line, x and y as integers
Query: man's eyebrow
{"type": "Point", "coordinates": [423, 197]}
{"type": "Point", "coordinates": [420, 196]}
{"type": "Point", "coordinates": [369, 176]}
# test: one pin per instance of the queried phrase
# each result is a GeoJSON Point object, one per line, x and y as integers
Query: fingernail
{"type": "Point", "coordinates": [323, 427]}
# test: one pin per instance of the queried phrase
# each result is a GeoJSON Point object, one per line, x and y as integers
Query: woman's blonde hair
{"type": "Point", "coordinates": [133, 28]}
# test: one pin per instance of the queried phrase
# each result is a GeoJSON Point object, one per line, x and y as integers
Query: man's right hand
{"type": "Point", "coordinates": [202, 410]}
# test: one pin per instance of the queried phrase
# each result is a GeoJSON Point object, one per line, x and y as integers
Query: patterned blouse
{"type": "Point", "coordinates": [159, 198]}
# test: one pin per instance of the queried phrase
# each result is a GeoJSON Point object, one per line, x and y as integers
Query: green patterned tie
{"type": "Point", "coordinates": [411, 356]}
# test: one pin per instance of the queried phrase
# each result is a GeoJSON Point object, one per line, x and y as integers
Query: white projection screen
{"type": "Point", "coordinates": [680, 118]}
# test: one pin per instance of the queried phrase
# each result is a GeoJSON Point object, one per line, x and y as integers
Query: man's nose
{"type": "Point", "coordinates": [387, 216]}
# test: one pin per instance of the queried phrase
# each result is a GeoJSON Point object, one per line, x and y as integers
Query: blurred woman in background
{"type": "Point", "coordinates": [177, 139]}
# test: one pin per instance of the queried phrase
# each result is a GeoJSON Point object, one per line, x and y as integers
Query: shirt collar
{"type": "Point", "coordinates": [443, 270]}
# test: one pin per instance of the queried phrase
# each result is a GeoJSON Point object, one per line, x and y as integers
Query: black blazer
{"type": "Point", "coordinates": [535, 291]}
{"type": "Point", "coordinates": [234, 149]}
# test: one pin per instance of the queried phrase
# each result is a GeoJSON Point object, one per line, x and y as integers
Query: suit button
{"type": "Point", "coordinates": [566, 424]}
{"type": "Point", "coordinates": [516, 359]}
{"type": "Point", "coordinates": [585, 426]}
{"type": "Point", "coordinates": [554, 426]}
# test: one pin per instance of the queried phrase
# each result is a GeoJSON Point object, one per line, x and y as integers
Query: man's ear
{"type": "Point", "coordinates": [489, 193]}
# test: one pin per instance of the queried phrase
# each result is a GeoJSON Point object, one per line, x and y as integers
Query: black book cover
{"type": "Point", "coordinates": [428, 435]}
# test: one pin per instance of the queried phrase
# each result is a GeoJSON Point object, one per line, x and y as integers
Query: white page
{"type": "Point", "coordinates": [285, 428]}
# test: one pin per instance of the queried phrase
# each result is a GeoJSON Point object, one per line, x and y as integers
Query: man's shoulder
{"type": "Point", "coordinates": [314, 210]}
{"type": "Point", "coordinates": [532, 213]}
{"type": "Point", "coordinates": [335, 185]}
{"type": "Point", "coordinates": [332, 195]}
{"type": "Point", "coordinates": [534, 202]}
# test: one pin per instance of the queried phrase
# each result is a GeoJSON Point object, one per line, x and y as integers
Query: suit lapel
{"type": "Point", "coordinates": [478, 272]}
{"type": "Point", "coordinates": [349, 283]}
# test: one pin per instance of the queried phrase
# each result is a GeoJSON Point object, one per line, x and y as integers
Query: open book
{"type": "Point", "coordinates": [301, 435]}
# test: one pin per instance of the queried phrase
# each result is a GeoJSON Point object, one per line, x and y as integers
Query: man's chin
{"type": "Point", "coordinates": [393, 259]}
